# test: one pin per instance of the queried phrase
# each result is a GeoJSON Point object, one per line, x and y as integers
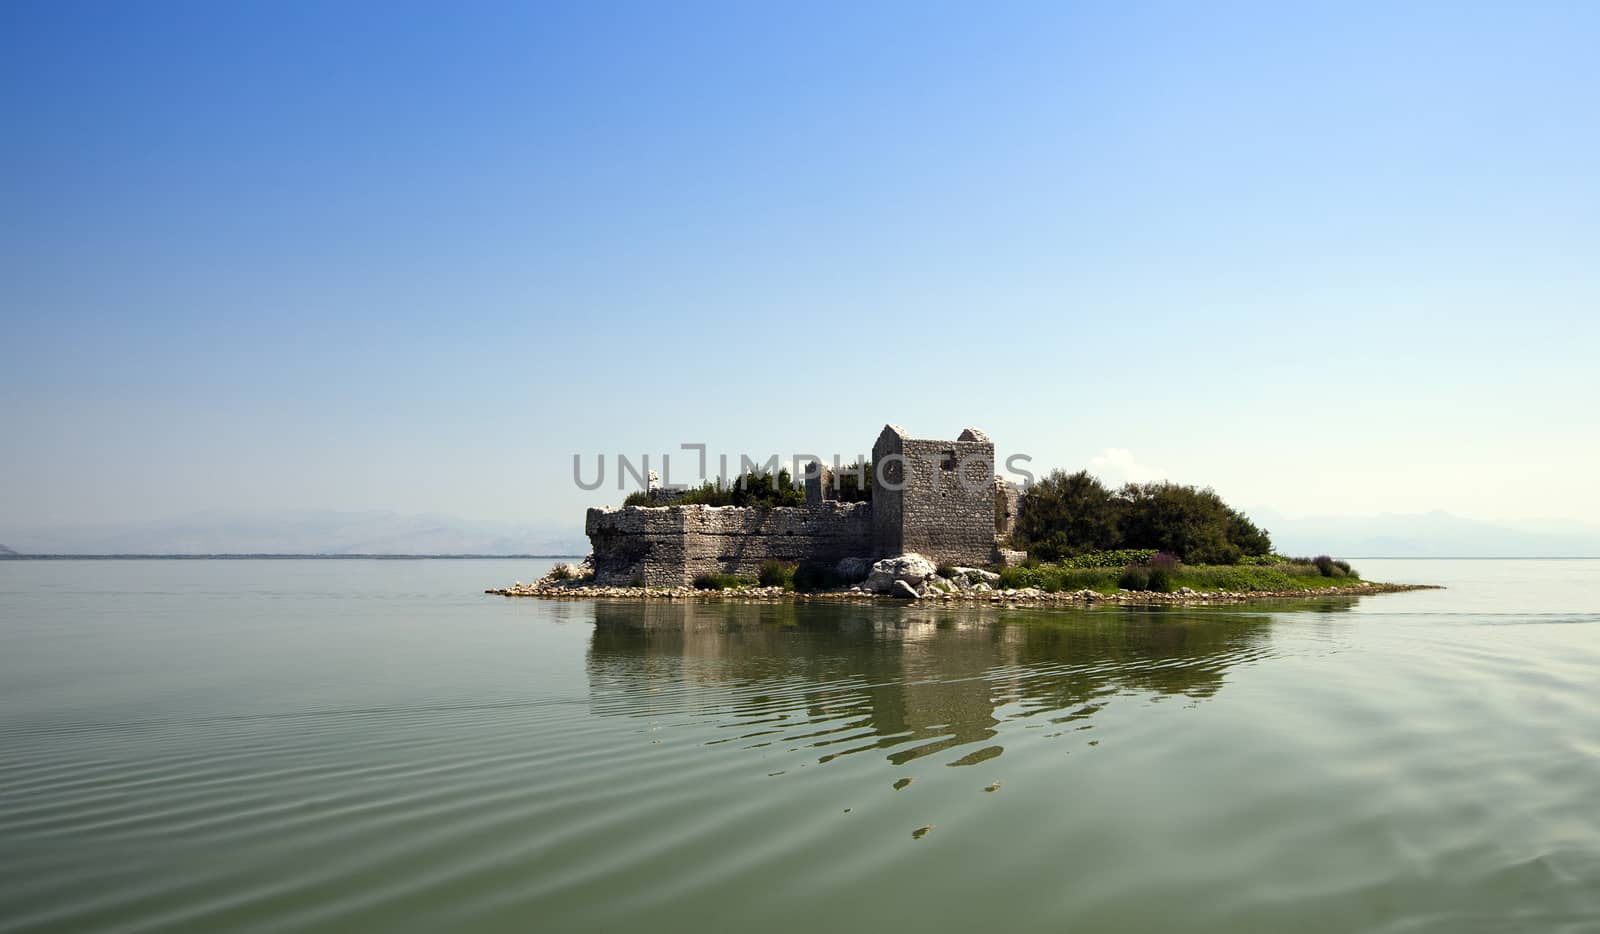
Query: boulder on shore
{"type": "Point", "coordinates": [910, 568]}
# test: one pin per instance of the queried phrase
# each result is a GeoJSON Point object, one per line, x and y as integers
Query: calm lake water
{"type": "Point", "coordinates": [375, 745]}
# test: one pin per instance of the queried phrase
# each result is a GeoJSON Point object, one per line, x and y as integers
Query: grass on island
{"type": "Point", "coordinates": [1148, 571]}
{"type": "Point", "coordinates": [1108, 572]}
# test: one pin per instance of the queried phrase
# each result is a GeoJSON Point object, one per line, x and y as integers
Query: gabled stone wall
{"type": "Point", "coordinates": [944, 508]}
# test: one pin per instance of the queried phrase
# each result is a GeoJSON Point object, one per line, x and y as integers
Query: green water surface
{"type": "Point", "coordinates": [377, 746]}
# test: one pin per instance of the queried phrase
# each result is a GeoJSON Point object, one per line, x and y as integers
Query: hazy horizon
{"type": "Point", "coordinates": [323, 532]}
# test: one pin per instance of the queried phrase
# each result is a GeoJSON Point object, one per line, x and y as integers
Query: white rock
{"type": "Point", "coordinates": [910, 568]}
{"type": "Point", "coordinates": [903, 590]}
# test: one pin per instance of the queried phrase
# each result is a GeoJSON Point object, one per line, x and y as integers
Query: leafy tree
{"type": "Point", "coordinates": [1067, 514]}
{"type": "Point", "coordinates": [756, 488]}
{"type": "Point", "coordinates": [761, 488]}
{"type": "Point", "coordinates": [1247, 536]}
{"type": "Point", "coordinates": [1189, 522]}
{"type": "Point", "coordinates": [849, 487]}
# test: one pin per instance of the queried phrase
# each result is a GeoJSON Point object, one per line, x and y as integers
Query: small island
{"type": "Point", "coordinates": [930, 520]}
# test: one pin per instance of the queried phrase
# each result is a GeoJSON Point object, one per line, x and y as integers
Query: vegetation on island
{"type": "Point", "coordinates": [851, 484]}
{"type": "Point", "coordinates": [755, 488]}
{"type": "Point", "coordinates": [1162, 572]}
{"type": "Point", "coordinates": [1069, 515]}
{"type": "Point", "coordinates": [1078, 533]}
{"type": "Point", "coordinates": [1082, 535]}
{"type": "Point", "coordinates": [1102, 571]}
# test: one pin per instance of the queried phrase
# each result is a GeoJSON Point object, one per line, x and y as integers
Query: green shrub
{"type": "Point", "coordinates": [1018, 577]}
{"type": "Point", "coordinates": [1241, 579]}
{"type": "Point", "coordinates": [719, 582]}
{"type": "Point", "coordinates": [1068, 515]}
{"type": "Point", "coordinates": [776, 574]}
{"type": "Point", "coordinates": [847, 482]}
{"type": "Point", "coordinates": [1117, 558]}
{"type": "Point", "coordinates": [1101, 579]}
{"type": "Point", "coordinates": [561, 572]}
{"type": "Point", "coordinates": [1243, 534]}
{"type": "Point", "coordinates": [765, 489]}
{"type": "Point", "coordinates": [756, 488]}
{"type": "Point", "coordinates": [811, 578]}
{"type": "Point", "coordinates": [1053, 578]}
{"type": "Point", "coordinates": [1263, 560]}
{"type": "Point", "coordinates": [946, 570]}
{"type": "Point", "coordinates": [1159, 580]}
{"type": "Point", "coordinates": [1134, 577]}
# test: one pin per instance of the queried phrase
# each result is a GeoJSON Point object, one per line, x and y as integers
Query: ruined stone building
{"type": "Point", "coordinates": [940, 499]}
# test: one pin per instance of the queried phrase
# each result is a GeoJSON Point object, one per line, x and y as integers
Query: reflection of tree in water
{"type": "Point", "coordinates": [914, 680]}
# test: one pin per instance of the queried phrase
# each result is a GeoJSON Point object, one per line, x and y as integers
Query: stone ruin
{"type": "Point", "coordinates": [939, 499]}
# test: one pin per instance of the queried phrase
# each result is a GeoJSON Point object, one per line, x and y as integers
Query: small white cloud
{"type": "Point", "coordinates": [1117, 466]}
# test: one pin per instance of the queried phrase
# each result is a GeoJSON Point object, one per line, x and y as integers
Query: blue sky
{"type": "Point", "coordinates": [1332, 259]}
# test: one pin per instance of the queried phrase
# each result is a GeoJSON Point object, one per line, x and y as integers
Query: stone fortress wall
{"type": "Point", "coordinates": [668, 546]}
{"type": "Point", "coordinates": [940, 499]}
{"type": "Point", "coordinates": [935, 498]}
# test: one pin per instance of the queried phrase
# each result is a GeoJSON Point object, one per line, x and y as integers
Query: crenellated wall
{"type": "Point", "coordinates": [667, 546]}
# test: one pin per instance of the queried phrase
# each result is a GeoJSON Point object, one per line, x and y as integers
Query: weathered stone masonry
{"type": "Point", "coordinates": [940, 499]}
{"type": "Point", "coordinates": [666, 546]}
{"type": "Point", "coordinates": [936, 498]}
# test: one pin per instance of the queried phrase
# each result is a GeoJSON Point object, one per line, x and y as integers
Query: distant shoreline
{"type": "Point", "coordinates": [272, 557]}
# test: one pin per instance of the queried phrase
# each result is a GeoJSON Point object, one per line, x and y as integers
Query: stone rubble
{"type": "Point", "coordinates": [912, 577]}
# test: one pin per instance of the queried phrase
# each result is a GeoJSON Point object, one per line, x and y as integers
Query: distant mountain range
{"type": "Point", "coordinates": [1428, 535]}
{"type": "Point", "coordinates": [1433, 534]}
{"type": "Point", "coordinates": [302, 533]}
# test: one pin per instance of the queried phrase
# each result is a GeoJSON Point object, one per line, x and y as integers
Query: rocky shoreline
{"type": "Point", "coordinates": [912, 578]}
{"type": "Point", "coordinates": [1026, 597]}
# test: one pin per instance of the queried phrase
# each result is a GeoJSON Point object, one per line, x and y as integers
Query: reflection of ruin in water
{"type": "Point", "coordinates": [914, 680]}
